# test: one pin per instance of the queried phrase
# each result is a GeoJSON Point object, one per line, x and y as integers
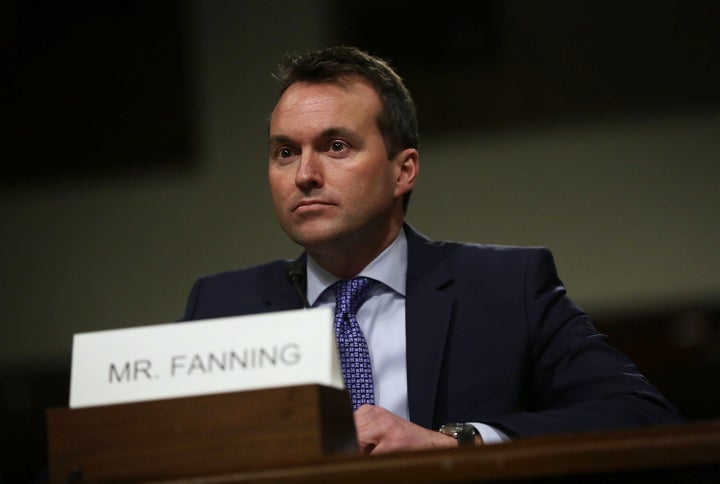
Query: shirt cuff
{"type": "Point", "coordinates": [490, 435]}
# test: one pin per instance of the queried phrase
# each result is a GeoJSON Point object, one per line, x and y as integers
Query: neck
{"type": "Point", "coordinates": [347, 258]}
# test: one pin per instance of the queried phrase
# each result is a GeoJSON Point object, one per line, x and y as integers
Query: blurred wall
{"type": "Point", "coordinates": [629, 205]}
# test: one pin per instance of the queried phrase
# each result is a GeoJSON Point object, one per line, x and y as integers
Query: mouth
{"type": "Point", "coordinates": [311, 204]}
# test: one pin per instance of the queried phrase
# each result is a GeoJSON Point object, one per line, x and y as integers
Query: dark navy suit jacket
{"type": "Point", "coordinates": [491, 337]}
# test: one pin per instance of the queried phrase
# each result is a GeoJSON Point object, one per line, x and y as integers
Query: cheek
{"type": "Point", "coordinates": [278, 184]}
{"type": "Point", "coordinates": [371, 190]}
{"type": "Point", "coordinates": [278, 199]}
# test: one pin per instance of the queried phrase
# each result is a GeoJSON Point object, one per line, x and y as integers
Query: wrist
{"type": "Point", "coordinates": [464, 434]}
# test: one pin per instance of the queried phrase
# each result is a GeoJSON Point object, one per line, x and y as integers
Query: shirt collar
{"type": "Point", "coordinates": [390, 268]}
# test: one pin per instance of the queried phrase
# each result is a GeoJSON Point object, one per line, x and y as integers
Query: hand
{"type": "Point", "coordinates": [381, 431]}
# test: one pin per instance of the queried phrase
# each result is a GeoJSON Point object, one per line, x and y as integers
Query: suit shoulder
{"type": "Point", "coordinates": [249, 282]}
{"type": "Point", "coordinates": [509, 262]}
{"type": "Point", "coordinates": [453, 250]}
{"type": "Point", "coordinates": [250, 273]}
{"type": "Point", "coordinates": [236, 292]}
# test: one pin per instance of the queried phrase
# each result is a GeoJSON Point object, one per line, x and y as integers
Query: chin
{"type": "Point", "coordinates": [311, 237]}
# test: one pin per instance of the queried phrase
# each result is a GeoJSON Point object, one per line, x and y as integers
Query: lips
{"type": "Point", "coordinates": [311, 203]}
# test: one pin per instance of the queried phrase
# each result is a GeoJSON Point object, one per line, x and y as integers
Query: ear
{"type": "Point", "coordinates": [407, 162]}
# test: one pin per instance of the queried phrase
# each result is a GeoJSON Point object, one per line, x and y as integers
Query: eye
{"type": "Point", "coordinates": [337, 146]}
{"type": "Point", "coordinates": [284, 152]}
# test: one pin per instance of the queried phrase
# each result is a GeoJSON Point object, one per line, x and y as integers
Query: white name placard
{"type": "Point", "coordinates": [202, 357]}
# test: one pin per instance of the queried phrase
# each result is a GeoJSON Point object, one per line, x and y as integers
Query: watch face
{"type": "Point", "coordinates": [464, 433]}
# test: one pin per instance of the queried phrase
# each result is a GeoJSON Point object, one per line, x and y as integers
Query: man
{"type": "Point", "coordinates": [482, 340]}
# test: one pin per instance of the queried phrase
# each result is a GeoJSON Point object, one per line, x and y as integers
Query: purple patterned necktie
{"type": "Point", "coordinates": [354, 355]}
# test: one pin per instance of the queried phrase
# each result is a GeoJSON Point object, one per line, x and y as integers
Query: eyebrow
{"type": "Point", "coordinates": [340, 133]}
{"type": "Point", "coordinates": [333, 132]}
{"type": "Point", "coordinates": [279, 139]}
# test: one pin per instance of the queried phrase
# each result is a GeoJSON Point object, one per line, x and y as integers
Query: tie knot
{"type": "Point", "coordinates": [350, 294]}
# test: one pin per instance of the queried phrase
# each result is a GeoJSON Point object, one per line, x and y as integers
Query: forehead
{"type": "Point", "coordinates": [354, 101]}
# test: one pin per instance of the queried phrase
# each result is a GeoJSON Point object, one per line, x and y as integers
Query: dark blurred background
{"type": "Point", "coordinates": [133, 161]}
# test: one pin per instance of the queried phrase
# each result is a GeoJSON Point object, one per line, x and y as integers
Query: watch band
{"type": "Point", "coordinates": [464, 433]}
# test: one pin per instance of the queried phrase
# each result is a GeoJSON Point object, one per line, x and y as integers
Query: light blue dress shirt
{"type": "Point", "coordinates": [382, 321]}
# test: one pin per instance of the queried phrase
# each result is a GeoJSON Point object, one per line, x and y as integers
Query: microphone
{"type": "Point", "coordinates": [296, 273]}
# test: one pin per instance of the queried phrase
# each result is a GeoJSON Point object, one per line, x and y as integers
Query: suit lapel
{"type": "Point", "coordinates": [280, 294]}
{"type": "Point", "coordinates": [428, 310]}
{"type": "Point", "coordinates": [284, 298]}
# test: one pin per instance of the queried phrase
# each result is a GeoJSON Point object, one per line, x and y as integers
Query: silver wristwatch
{"type": "Point", "coordinates": [464, 433]}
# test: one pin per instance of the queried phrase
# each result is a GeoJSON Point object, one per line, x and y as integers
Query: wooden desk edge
{"type": "Point", "coordinates": [693, 445]}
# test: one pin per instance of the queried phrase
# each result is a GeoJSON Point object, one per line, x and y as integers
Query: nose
{"type": "Point", "coordinates": [309, 174]}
